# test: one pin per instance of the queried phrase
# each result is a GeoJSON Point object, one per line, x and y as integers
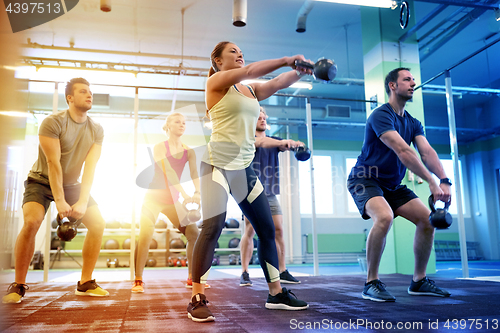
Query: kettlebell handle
{"type": "Point", "coordinates": [304, 64]}
{"type": "Point", "coordinates": [433, 208]}
{"type": "Point", "coordinates": [60, 220]}
{"type": "Point", "coordinates": [185, 203]}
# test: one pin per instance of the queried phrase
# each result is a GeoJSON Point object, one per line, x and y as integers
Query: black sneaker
{"type": "Point", "coordinates": [90, 288]}
{"type": "Point", "coordinates": [285, 301]}
{"type": "Point", "coordinates": [375, 291]}
{"type": "Point", "coordinates": [426, 287]}
{"type": "Point", "coordinates": [245, 279]}
{"type": "Point", "coordinates": [286, 277]}
{"type": "Point", "coordinates": [198, 310]}
{"type": "Point", "coordinates": [15, 293]}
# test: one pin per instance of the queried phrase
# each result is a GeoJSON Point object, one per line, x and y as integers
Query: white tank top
{"type": "Point", "coordinates": [234, 119]}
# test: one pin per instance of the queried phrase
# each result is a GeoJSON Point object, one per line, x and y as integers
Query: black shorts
{"type": "Point", "coordinates": [363, 189]}
{"type": "Point", "coordinates": [41, 193]}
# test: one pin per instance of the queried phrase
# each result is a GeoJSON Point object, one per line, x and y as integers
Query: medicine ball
{"type": "Point", "coordinates": [177, 243]}
{"type": "Point", "coordinates": [126, 244]}
{"type": "Point", "coordinates": [154, 244]}
{"type": "Point", "coordinates": [233, 243]}
{"type": "Point", "coordinates": [111, 244]}
{"type": "Point", "coordinates": [232, 223]}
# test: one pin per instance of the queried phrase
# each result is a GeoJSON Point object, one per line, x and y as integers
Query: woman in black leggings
{"type": "Point", "coordinates": [226, 168]}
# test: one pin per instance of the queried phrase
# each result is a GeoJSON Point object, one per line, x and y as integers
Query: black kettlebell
{"type": "Point", "coordinates": [323, 69]}
{"type": "Point", "coordinates": [67, 228]}
{"type": "Point", "coordinates": [439, 218]}
{"type": "Point", "coordinates": [302, 153]}
{"type": "Point", "coordinates": [193, 214]}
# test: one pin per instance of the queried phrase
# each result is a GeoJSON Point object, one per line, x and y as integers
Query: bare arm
{"type": "Point", "coordinates": [267, 142]}
{"type": "Point", "coordinates": [410, 159]}
{"type": "Point", "coordinates": [80, 207]}
{"type": "Point", "coordinates": [194, 175]}
{"type": "Point", "coordinates": [432, 162]}
{"type": "Point", "coordinates": [219, 82]}
{"type": "Point", "coordinates": [51, 147]}
{"type": "Point", "coordinates": [282, 81]}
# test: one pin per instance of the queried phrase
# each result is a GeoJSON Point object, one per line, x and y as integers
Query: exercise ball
{"type": "Point", "coordinates": [233, 243]}
{"type": "Point", "coordinates": [154, 244]}
{"type": "Point", "coordinates": [161, 224]}
{"type": "Point", "coordinates": [111, 244]}
{"type": "Point", "coordinates": [177, 243]}
{"type": "Point", "coordinates": [232, 223]}
{"type": "Point", "coordinates": [126, 244]}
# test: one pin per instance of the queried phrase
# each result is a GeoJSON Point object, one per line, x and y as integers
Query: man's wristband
{"type": "Point", "coordinates": [445, 181]}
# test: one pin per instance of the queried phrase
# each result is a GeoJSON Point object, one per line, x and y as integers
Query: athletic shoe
{"type": "Point", "coordinates": [15, 293]}
{"type": "Point", "coordinates": [90, 288]}
{"type": "Point", "coordinates": [138, 286]}
{"type": "Point", "coordinates": [245, 279]}
{"type": "Point", "coordinates": [375, 291]}
{"type": "Point", "coordinates": [198, 310]}
{"type": "Point", "coordinates": [189, 284]}
{"type": "Point", "coordinates": [286, 277]}
{"type": "Point", "coordinates": [285, 300]}
{"type": "Point", "coordinates": [426, 287]}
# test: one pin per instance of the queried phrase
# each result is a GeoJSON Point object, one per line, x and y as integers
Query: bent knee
{"type": "Point", "coordinates": [383, 221]}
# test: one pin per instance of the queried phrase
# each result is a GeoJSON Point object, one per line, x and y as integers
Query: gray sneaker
{"type": "Point", "coordinates": [245, 279]}
{"type": "Point", "coordinates": [426, 287]}
{"type": "Point", "coordinates": [375, 291]}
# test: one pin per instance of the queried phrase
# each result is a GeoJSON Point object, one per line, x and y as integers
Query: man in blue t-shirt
{"type": "Point", "coordinates": [266, 166]}
{"type": "Point", "coordinates": [375, 184]}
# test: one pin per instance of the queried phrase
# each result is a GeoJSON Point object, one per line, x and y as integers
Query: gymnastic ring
{"type": "Point", "coordinates": [404, 15]}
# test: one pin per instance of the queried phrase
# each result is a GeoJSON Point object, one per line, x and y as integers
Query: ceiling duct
{"type": "Point", "coordinates": [302, 15]}
{"type": "Point", "coordinates": [239, 13]}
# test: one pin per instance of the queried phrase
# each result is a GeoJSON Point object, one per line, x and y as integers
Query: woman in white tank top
{"type": "Point", "coordinates": [225, 169]}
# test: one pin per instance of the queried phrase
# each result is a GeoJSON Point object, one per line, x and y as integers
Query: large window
{"type": "Point", "coordinates": [323, 187]}
{"type": "Point", "coordinates": [351, 206]}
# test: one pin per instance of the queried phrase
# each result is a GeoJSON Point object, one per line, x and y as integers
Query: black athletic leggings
{"type": "Point", "coordinates": [247, 190]}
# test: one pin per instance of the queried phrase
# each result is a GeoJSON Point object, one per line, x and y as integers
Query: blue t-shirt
{"type": "Point", "coordinates": [376, 159]}
{"type": "Point", "coordinates": [266, 166]}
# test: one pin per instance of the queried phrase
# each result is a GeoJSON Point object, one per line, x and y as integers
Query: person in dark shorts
{"type": "Point", "coordinates": [68, 139]}
{"type": "Point", "coordinates": [375, 185]}
{"type": "Point", "coordinates": [266, 166]}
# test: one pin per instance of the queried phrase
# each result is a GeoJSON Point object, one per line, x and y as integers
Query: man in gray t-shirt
{"type": "Point", "coordinates": [68, 140]}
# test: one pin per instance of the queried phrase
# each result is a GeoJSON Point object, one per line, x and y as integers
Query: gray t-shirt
{"type": "Point", "coordinates": [75, 139]}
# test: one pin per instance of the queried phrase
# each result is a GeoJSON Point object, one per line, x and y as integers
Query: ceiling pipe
{"type": "Point", "coordinates": [302, 15]}
{"type": "Point", "coordinates": [422, 22]}
{"type": "Point", "coordinates": [135, 54]}
{"type": "Point", "coordinates": [475, 4]}
{"type": "Point", "coordinates": [464, 22]}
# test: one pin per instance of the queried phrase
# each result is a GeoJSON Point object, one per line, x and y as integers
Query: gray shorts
{"type": "Point", "coordinates": [274, 204]}
{"type": "Point", "coordinates": [41, 193]}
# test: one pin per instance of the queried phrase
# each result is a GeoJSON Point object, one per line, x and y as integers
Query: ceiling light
{"type": "Point", "coordinates": [370, 3]}
{"type": "Point", "coordinates": [297, 85]}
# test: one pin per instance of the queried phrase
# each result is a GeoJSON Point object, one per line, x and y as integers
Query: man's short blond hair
{"type": "Point", "coordinates": [263, 111]}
